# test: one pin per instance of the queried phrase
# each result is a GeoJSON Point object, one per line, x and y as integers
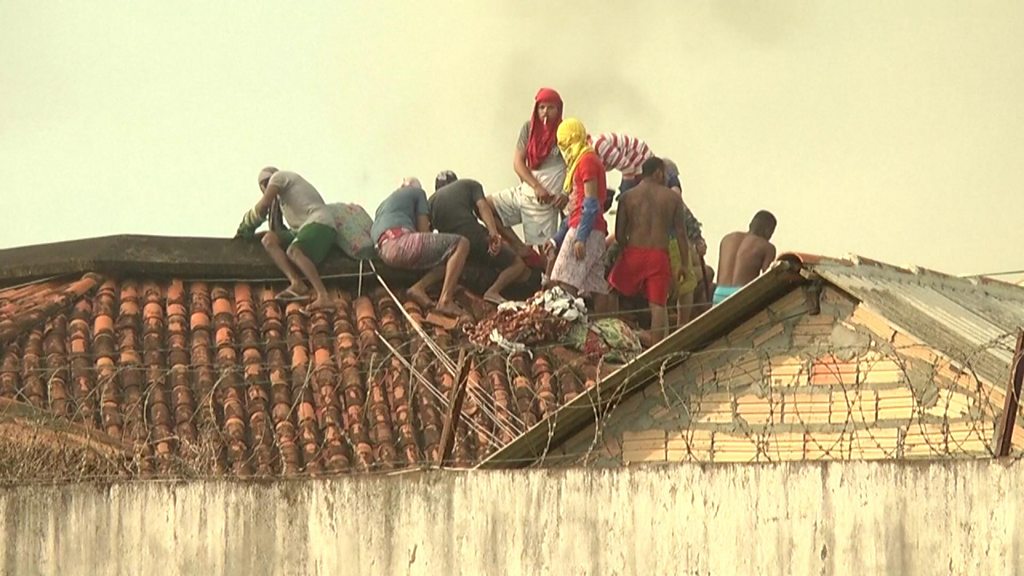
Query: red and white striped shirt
{"type": "Point", "coordinates": [620, 152]}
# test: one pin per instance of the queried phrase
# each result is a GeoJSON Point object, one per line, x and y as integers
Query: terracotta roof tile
{"type": "Point", "coordinates": [201, 378]}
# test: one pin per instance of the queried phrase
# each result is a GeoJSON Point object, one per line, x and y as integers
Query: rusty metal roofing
{"type": "Point", "coordinates": [971, 320]}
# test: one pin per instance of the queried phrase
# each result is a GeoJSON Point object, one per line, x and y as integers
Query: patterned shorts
{"type": "Point", "coordinates": [518, 205]}
{"type": "Point", "coordinates": [586, 275]}
{"type": "Point", "coordinates": [418, 250]}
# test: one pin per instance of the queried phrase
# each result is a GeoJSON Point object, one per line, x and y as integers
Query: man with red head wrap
{"type": "Point", "coordinates": [537, 201]}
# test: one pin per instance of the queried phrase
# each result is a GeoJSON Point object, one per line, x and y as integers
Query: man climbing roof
{"type": "Point", "coordinates": [305, 243]}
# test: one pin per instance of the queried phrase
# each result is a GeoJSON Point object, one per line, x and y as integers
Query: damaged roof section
{"type": "Point", "coordinates": [200, 378]}
{"type": "Point", "coordinates": [950, 313]}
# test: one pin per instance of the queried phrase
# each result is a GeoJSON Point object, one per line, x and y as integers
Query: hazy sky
{"type": "Point", "coordinates": [894, 130]}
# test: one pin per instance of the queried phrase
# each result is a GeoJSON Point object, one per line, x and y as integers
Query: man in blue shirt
{"type": "Point", "coordinates": [402, 234]}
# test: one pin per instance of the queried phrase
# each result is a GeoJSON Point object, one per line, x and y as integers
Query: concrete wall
{"type": "Point", "coordinates": [949, 517]}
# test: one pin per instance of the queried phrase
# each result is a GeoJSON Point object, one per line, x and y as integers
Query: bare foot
{"type": "Point", "coordinates": [494, 298]}
{"type": "Point", "coordinates": [419, 296]}
{"type": "Point", "coordinates": [322, 303]}
{"type": "Point", "coordinates": [450, 309]}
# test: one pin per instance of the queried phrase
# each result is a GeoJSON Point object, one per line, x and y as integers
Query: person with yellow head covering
{"type": "Point", "coordinates": [579, 262]}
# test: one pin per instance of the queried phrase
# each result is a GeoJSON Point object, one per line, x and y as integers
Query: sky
{"type": "Point", "coordinates": [892, 130]}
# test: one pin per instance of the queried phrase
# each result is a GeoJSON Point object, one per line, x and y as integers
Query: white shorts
{"type": "Point", "coordinates": [519, 205]}
{"type": "Point", "coordinates": [587, 275]}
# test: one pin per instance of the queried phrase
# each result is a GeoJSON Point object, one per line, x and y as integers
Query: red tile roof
{"type": "Point", "coordinates": [200, 378]}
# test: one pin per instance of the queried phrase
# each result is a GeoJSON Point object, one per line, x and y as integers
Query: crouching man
{"type": "Point", "coordinates": [402, 233]}
{"type": "Point", "coordinates": [307, 241]}
{"type": "Point", "coordinates": [454, 209]}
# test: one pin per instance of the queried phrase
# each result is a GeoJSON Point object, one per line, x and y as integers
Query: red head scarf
{"type": "Point", "coordinates": [542, 138]}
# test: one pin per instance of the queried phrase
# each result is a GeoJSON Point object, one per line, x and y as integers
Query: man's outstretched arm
{"type": "Point", "coordinates": [257, 215]}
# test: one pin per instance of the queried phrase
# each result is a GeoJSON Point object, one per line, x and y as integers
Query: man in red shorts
{"type": "Point", "coordinates": [646, 216]}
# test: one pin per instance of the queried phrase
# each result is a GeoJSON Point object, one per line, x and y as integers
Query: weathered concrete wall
{"type": "Point", "coordinates": [950, 517]}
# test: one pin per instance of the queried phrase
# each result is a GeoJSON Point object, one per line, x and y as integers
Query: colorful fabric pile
{"type": "Point", "coordinates": [554, 316]}
{"type": "Point", "coordinates": [607, 338]}
{"type": "Point", "coordinates": [543, 318]}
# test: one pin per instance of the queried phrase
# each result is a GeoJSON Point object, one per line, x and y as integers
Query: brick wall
{"type": "Point", "coordinates": [791, 385]}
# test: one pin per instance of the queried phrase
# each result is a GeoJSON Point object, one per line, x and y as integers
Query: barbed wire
{"type": "Point", "coordinates": [721, 404]}
{"type": "Point", "coordinates": [376, 405]}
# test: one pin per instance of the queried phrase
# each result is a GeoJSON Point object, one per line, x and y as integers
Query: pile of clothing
{"type": "Point", "coordinates": [608, 338]}
{"type": "Point", "coordinates": [555, 316]}
{"type": "Point", "coordinates": [518, 325]}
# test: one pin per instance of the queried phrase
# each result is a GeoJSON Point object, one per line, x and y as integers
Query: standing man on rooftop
{"type": "Point", "coordinates": [743, 256]}
{"type": "Point", "coordinates": [537, 201]}
{"type": "Point", "coordinates": [623, 153]}
{"type": "Point", "coordinates": [579, 263]}
{"type": "Point", "coordinates": [647, 215]}
{"type": "Point", "coordinates": [691, 291]}
{"type": "Point", "coordinates": [310, 235]}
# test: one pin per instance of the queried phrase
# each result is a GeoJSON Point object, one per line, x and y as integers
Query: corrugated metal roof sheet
{"type": "Point", "coordinates": [974, 321]}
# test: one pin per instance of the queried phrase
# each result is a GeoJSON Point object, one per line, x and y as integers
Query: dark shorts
{"type": "Point", "coordinates": [315, 240]}
{"type": "Point", "coordinates": [478, 243]}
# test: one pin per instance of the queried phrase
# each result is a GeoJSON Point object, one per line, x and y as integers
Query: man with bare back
{"type": "Point", "coordinates": [646, 216]}
{"type": "Point", "coordinates": [743, 256]}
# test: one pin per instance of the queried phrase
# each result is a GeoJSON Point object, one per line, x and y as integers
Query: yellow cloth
{"type": "Point", "coordinates": [572, 143]}
{"type": "Point", "coordinates": [694, 273]}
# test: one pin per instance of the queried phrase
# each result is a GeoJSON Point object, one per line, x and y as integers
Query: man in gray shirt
{"type": "Point", "coordinates": [538, 199]}
{"type": "Point", "coordinates": [310, 235]}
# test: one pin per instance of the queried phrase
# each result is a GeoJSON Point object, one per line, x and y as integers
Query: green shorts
{"type": "Point", "coordinates": [315, 240]}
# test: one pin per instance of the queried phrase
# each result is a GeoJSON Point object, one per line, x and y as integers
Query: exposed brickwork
{"type": "Point", "coordinates": [787, 385]}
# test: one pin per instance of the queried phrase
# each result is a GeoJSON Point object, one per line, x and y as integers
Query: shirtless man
{"type": "Point", "coordinates": [745, 255]}
{"type": "Point", "coordinates": [646, 216]}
